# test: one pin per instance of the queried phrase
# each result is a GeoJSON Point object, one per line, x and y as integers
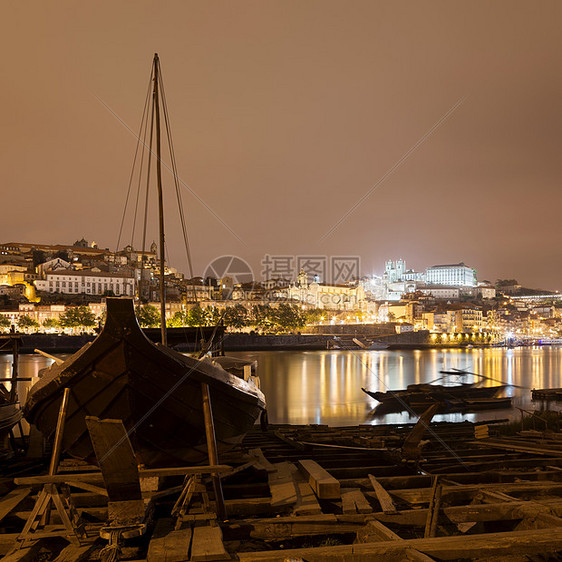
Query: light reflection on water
{"type": "Point", "coordinates": [324, 387]}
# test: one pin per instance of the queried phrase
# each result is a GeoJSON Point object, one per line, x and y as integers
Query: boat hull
{"type": "Point", "coordinates": [153, 389]}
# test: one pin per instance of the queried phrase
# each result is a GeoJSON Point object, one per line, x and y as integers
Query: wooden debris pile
{"type": "Point", "coordinates": [319, 493]}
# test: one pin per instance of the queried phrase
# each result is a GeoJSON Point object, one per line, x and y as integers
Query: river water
{"type": "Point", "coordinates": [324, 387]}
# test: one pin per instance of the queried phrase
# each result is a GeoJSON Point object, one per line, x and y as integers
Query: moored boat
{"type": "Point", "coordinates": [153, 389]}
{"type": "Point", "coordinates": [434, 392]}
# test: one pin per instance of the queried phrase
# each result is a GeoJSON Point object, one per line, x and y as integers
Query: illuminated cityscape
{"type": "Point", "coordinates": [40, 283]}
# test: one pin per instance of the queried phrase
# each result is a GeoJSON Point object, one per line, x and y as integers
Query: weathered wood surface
{"type": "Point", "coordinates": [283, 528]}
{"type": "Point", "coordinates": [168, 545]}
{"type": "Point", "coordinates": [354, 501]}
{"type": "Point", "coordinates": [260, 460]}
{"type": "Point", "coordinates": [76, 553]}
{"type": "Point", "coordinates": [207, 544]}
{"type": "Point", "coordinates": [325, 486]}
{"type": "Point", "coordinates": [282, 485]}
{"type": "Point", "coordinates": [97, 478]}
{"type": "Point", "coordinates": [521, 448]}
{"type": "Point", "coordinates": [246, 507]}
{"type": "Point", "coordinates": [11, 500]}
{"type": "Point", "coordinates": [503, 511]}
{"type": "Point", "coordinates": [443, 548]}
{"type": "Point", "coordinates": [306, 503]}
{"type": "Point", "coordinates": [116, 458]}
{"type": "Point", "coordinates": [375, 531]}
{"type": "Point", "coordinates": [434, 506]}
{"type": "Point", "coordinates": [29, 553]}
{"type": "Point", "coordinates": [423, 495]}
{"type": "Point", "coordinates": [387, 505]}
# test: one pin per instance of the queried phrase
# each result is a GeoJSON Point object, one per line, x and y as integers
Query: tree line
{"type": "Point", "coordinates": [265, 318]}
{"type": "Point", "coordinates": [282, 318]}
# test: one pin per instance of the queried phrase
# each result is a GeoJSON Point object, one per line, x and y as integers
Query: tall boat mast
{"type": "Point", "coordinates": [156, 105]}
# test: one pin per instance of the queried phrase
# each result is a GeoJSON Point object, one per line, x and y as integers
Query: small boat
{"type": "Point", "coordinates": [424, 393]}
{"type": "Point", "coordinates": [155, 390]}
{"type": "Point", "coordinates": [554, 394]}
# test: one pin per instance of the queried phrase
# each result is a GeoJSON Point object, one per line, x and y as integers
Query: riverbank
{"type": "Point", "coordinates": [183, 340]}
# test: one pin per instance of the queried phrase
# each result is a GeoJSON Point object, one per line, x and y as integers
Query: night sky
{"type": "Point", "coordinates": [285, 115]}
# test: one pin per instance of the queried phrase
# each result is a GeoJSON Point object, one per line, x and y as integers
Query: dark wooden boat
{"type": "Point", "coordinates": [153, 389]}
{"type": "Point", "coordinates": [434, 392]}
{"type": "Point", "coordinates": [554, 394]}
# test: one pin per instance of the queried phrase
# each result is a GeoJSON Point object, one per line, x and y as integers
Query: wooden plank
{"type": "Point", "coordinates": [322, 482]}
{"type": "Point", "coordinates": [76, 553]}
{"type": "Point", "coordinates": [29, 553]}
{"type": "Point", "coordinates": [443, 548]}
{"type": "Point", "coordinates": [11, 500]}
{"type": "Point", "coordinates": [375, 531]}
{"type": "Point", "coordinates": [168, 545]}
{"type": "Point", "coordinates": [353, 501]}
{"type": "Point", "coordinates": [259, 458]}
{"type": "Point", "coordinates": [284, 528]}
{"type": "Point", "coordinates": [207, 544]}
{"type": "Point", "coordinates": [91, 488]}
{"type": "Point", "coordinates": [282, 486]}
{"type": "Point", "coordinates": [387, 505]}
{"type": "Point", "coordinates": [501, 444]}
{"type": "Point", "coordinates": [116, 458]}
{"type": "Point", "coordinates": [423, 495]}
{"type": "Point", "coordinates": [97, 478]}
{"type": "Point", "coordinates": [434, 506]}
{"type": "Point", "coordinates": [248, 506]}
{"type": "Point", "coordinates": [469, 513]}
{"type": "Point", "coordinates": [307, 503]}
{"type": "Point", "coordinates": [7, 542]}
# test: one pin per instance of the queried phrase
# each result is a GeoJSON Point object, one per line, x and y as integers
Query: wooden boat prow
{"type": "Point", "coordinates": [153, 389]}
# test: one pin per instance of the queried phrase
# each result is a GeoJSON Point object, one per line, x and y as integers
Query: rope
{"type": "Point", "coordinates": [133, 167]}
{"type": "Point", "coordinates": [175, 175]}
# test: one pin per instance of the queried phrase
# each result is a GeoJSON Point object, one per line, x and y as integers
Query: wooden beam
{"type": "Point", "coordinates": [76, 553]}
{"type": "Point", "coordinates": [442, 548]}
{"type": "Point", "coordinates": [284, 528]}
{"type": "Point", "coordinates": [387, 505]}
{"type": "Point", "coordinates": [207, 544]}
{"type": "Point", "coordinates": [167, 545]}
{"type": "Point", "coordinates": [325, 486]}
{"type": "Point", "coordinates": [282, 486]}
{"type": "Point", "coordinates": [260, 460]}
{"type": "Point", "coordinates": [423, 495]}
{"type": "Point", "coordinates": [433, 511]}
{"type": "Point", "coordinates": [353, 501]}
{"type": "Point", "coordinates": [11, 500]}
{"type": "Point", "coordinates": [306, 504]}
{"type": "Point", "coordinates": [508, 446]}
{"type": "Point", "coordinates": [97, 478]}
{"type": "Point", "coordinates": [503, 511]}
{"type": "Point", "coordinates": [375, 531]}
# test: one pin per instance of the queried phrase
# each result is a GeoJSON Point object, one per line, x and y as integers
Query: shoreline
{"type": "Point", "coordinates": [241, 342]}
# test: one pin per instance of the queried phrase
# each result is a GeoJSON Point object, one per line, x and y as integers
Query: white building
{"type": "Point", "coordinates": [323, 295]}
{"type": "Point", "coordinates": [87, 281]}
{"type": "Point", "coordinates": [456, 275]}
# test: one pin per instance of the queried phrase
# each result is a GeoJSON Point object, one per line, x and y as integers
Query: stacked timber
{"type": "Point", "coordinates": [288, 495]}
